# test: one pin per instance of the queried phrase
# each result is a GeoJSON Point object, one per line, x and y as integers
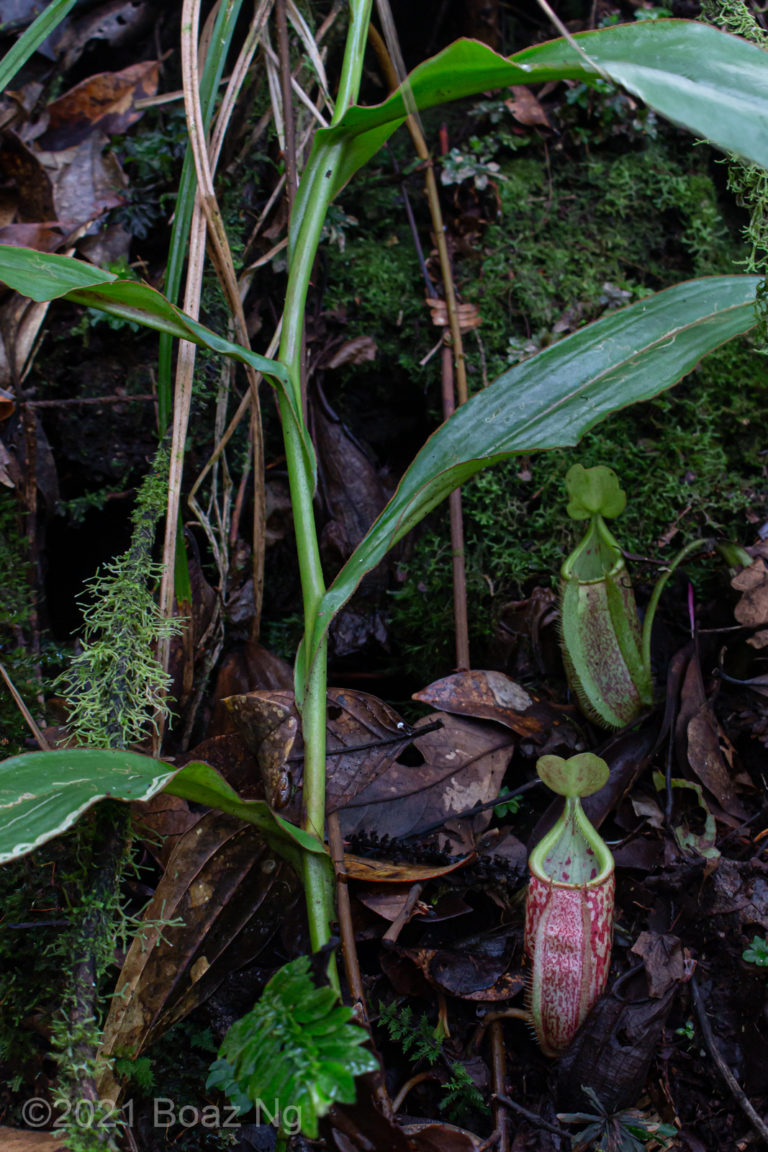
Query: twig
{"type": "Point", "coordinates": [460, 614]}
{"type": "Point", "coordinates": [534, 1119]}
{"type": "Point", "coordinates": [499, 1081]}
{"type": "Point", "coordinates": [545, 7]}
{"type": "Point", "coordinates": [453, 354]}
{"type": "Point", "coordinates": [397, 1103]}
{"type": "Point", "coordinates": [38, 735]}
{"type": "Point", "coordinates": [349, 948]}
{"type": "Point", "coordinates": [289, 156]}
{"type": "Point", "coordinates": [478, 808]}
{"type": "Point", "coordinates": [404, 737]}
{"type": "Point", "coordinates": [709, 1039]}
{"type": "Point", "coordinates": [73, 401]}
{"type": "Point", "coordinates": [492, 1018]}
{"type": "Point", "coordinates": [403, 915]}
{"type": "Point", "coordinates": [346, 928]}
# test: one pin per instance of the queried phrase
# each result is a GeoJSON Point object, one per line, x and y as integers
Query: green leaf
{"type": "Point", "coordinates": [296, 1050]}
{"type": "Point", "coordinates": [46, 276]}
{"type": "Point", "coordinates": [42, 794]}
{"type": "Point", "coordinates": [31, 39]}
{"type": "Point", "coordinates": [713, 84]}
{"type": "Point", "coordinates": [202, 784]}
{"type": "Point", "coordinates": [594, 491]}
{"type": "Point", "coordinates": [551, 400]}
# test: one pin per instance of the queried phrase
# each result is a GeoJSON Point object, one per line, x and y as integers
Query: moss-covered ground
{"type": "Point", "coordinates": [568, 226]}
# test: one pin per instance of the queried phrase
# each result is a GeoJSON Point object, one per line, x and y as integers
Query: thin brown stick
{"type": "Point", "coordinates": [38, 735]}
{"type": "Point", "coordinates": [496, 1017]}
{"type": "Point", "coordinates": [283, 51]}
{"type": "Point", "coordinates": [460, 614]}
{"type": "Point", "coordinates": [422, 151]}
{"type": "Point", "coordinates": [346, 929]}
{"type": "Point", "coordinates": [74, 401]}
{"type": "Point", "coordinates": [404, 915]}
{"type": "Point", "coordinates": [419, 1078]}
{"type": "Point", "coordinates": [738, 1092]}
{"type": "Point", "coordinates": [499, 1082]}
{"type": "Point", "coordinates": [453, 354]}
{"type": "Point", "coordinates": [534, 1119]}
{"type": "Point", "coordinates": [349, 949]}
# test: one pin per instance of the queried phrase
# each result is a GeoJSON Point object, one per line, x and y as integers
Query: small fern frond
{"type": "Point", "coordinates": [295, 1050]}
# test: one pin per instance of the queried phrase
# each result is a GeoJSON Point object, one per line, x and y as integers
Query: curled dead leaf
{"type": "Point", "coordinates": [525, 108]}
{"type": "Point", "coordinates": [469, 317]}
{"type": "Point", "coordinates": [752, 608]}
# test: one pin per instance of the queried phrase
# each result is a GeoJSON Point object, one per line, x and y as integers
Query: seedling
{"type": "Point", "coordinates": [757, 952]}
{"type": "Point", "coordinates": [627, 1131]}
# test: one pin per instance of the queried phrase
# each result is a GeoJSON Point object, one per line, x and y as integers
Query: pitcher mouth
{"type": "Point", "coordinates": [572, 855]}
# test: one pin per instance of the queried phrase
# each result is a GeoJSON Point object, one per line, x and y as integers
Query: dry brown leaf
{"type": "Point", "coordinates": [23, 171]}
{"type": "Point", "coordinates": [525, 108]}
{"type": "Point", "coordinates": [117, 23]}
{"type": "Point", "coordinates": [468, 315]}
{"type": "Point", "coordinates": [752, 582]}
{"type": "Point", "coordinates": [16, 1140]}
{"type": "Point", "coordinates": [105, 103]}
{"type": "Point", "coordinates": [431, 1137]}
{"type": "Point", "coordinates": [268, 722]}
{"type": "Point", "coordinates": [462, 765]}
{"type": "Point", "coordinates": [220, 879]}
{"type": "Point", "coordinates": [470, 974]}
{"type": "Point", "coordinates": [385, 872]}
{"type": "Point", "coordinates": [663, 959]}
{"type": "Point", "coordinates": [364, 735]}
{"type": "Point", "coordinates": [7, 405]}
{"type": "Point", "coordinates": [43, 237]}
{"type": "Point", "coordinates": [86, 180]}
{"type": "Point", "coordinates": [704, 744]}
{"type": "Point", "coordinates": [20, 323]}
{"type": "Point", "coordinates": [494, 696]}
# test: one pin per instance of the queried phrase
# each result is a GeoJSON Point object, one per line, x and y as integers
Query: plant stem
{"type": "Point", "coordinates": [318, 876]}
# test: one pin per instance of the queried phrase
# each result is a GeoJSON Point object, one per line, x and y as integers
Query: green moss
{"type": "Point", "coordinates": [572, 241]}
{"type": "Point", "coordinates": [15, 623]}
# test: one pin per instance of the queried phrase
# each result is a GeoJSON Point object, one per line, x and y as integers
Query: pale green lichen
{"type": "Point", "coordinates": [115, 687]}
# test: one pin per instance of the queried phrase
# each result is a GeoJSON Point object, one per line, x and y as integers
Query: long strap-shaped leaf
{"type": "Point", "coordinates": [552, 399]}
{"type": "Point", "coordinates": [42, 794]}
{"type": "Point", "coordinates": [44, 276]}
{"type": "Point", "coordinates": [713, 84]}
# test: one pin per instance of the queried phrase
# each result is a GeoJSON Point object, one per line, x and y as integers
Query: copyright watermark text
{"type": "Point", "coordinates": [38, 1112]}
